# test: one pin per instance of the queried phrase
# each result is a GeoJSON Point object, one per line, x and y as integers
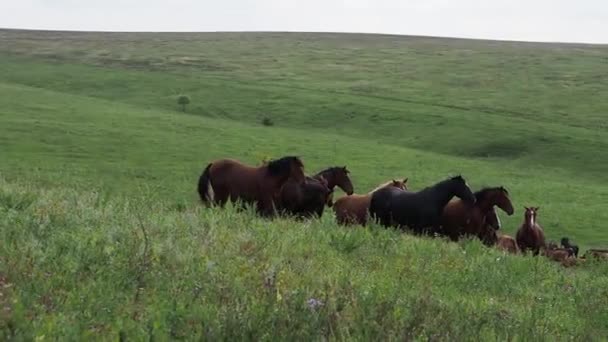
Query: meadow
{"type": "Point", "coordinates": [103, 235]}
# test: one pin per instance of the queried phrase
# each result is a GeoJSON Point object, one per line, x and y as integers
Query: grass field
{"type": "Point", "coordinates": [103, 235]}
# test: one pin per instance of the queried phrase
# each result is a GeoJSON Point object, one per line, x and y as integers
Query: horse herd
{"type": "Point", "coordinates": [448, 208]}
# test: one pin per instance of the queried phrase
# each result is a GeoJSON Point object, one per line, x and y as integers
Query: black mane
{"type": "Point", "coordinates": [282, 166]}
{"type": "Point", "coordinates": [331, 170]}
{"type": "Point", "coordinates": [481, 194]}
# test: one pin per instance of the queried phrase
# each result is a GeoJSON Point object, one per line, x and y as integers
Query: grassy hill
{"type": "Point", "coordinates": [94, 148]}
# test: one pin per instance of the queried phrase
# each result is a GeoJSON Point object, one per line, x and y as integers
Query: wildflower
{"type": "Point", "coordinates": [314, 304]}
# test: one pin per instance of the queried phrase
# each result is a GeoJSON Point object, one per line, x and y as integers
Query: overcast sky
{"type": "Point", "coordinates": [532, 20]}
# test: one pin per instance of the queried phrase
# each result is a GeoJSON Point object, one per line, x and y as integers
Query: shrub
{"type": "Point", "coordinates": [266, 121]}
{"type": "Point", "coordinates": [183, 100]}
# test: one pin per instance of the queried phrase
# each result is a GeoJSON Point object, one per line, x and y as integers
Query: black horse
{"type": "Point", "coordinates": [420, 210]}
{"type": "Point", "coordinates": [566, 243]}
{"type": "Point", "coordinates": [310, 198]}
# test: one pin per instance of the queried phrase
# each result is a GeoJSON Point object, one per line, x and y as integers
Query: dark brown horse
{"type": "Point", "coordinates": [228, 179]}
{"type": "Point", "coordinates": [530, 235]}
{"type": "Point", "coordinates": [311, 197]}
{"type": "Point", "coordinates": [460, 219]}
{"type": "Point", "coordinates": [354, 209]}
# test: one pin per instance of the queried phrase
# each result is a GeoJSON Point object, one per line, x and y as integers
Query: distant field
{"type": "Point", "coordinates": [94, 115]}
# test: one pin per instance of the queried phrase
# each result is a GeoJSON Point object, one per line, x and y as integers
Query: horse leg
{"type": "Point", "coordinates": [265, 207]}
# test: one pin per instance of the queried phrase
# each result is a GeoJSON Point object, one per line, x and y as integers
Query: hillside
{"type": "Point", "coordinates": [92, 141]}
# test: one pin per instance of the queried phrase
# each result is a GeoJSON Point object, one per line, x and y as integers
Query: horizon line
{"type": "Point", "coordinates": [314, 32]}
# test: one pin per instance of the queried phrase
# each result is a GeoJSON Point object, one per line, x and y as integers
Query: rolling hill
{"type": "Point", "coordinates": [99, 166]}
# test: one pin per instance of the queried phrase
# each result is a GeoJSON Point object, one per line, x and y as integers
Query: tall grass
{"type": "Point", "coordinates": [79, 266]}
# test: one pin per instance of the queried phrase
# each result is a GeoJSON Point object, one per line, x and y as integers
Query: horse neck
{"type": "Point", "coordinates": [379, 187]}
{"type": "Point", "coordinates": [444, 191]}
{"type": "Point", "coordinates": [329, 177]}
{"type": "Point", "coordinates": [277, 180]}
{"type": "Point", "coordinates": [486, 204]}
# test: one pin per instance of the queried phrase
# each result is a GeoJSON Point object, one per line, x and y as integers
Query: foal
{"type": "Point", "coordinates": [354, 209]}
{"type": "Point", "coordinates": [530, 235]}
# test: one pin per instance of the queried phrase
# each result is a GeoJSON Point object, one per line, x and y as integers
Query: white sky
{"type": "Point", "coordinates": [531, 20]}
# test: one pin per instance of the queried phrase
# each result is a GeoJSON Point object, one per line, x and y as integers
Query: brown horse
{"type": "Point", "coordinates": [564, 256]}
{"type": "Point", "coordinates": [530, 235]}
{"type": "Point", "coordinates": [507, 243]}
{"type": "Point", "coordinates": [460, 219]}
{"type": "Point", "coordinates": [354, 209]}
{"type": "Point", "coordinates": [311, 197]}
{"type": "Point", "coordinates": [228, 179]}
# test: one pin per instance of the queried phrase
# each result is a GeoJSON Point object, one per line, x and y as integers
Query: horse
{"type": "Point", "coordinates": [530, 235]}
{"type": "Point", "coordinates": [354, 209]}
{"type": "Point", "coordinates": [459, 219]}
{"type": "Point", "coordinates": [229, 179]}
{"type": "Point", "coordinates": [598, 254]}
{"type": "Point", "coordinates": [567, 244]}
{"type": "Point", "coordinates": [506, 243]}
{"type": "Point", "coordinates": [565, 256]}
{"type": "Point", "coordinates": [418, 210]}
{"type": "Point", "coordinates": [311, 197]}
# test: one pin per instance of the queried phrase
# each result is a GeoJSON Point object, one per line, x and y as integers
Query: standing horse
{"type": "Point", "coordinates": [530, 235]}
{"type": "Point", "coordinates": [459, 219]}
{"type": "Point", "coordinates": [228, 179]}
{"type": "Point", "coordinates": [310, 198]}
{"type": "Point", "coordinates": [420, 210]}
{"type": "Point", "coordinates": [354, 209]}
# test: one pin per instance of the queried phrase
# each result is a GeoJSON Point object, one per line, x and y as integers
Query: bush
{"type": "Point", "coordinates": [183, 100]}
{"type": "Point", "coordinates": [266, 121]}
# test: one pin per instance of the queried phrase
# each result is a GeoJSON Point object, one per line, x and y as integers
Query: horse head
{"type": "Point", "coordinates": [400, 184]}
{"type": "Point", "coordinates": [342, 180]}
{"type": "Point", "coordinates": [462, 190]}
{"type": "Point", "coordinates": [530, 216]}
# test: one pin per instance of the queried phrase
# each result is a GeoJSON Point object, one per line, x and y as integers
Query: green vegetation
{"type": "Point", "coordinates": [182, 101]}
{"type": "Point", "coordinates": [102, 233]}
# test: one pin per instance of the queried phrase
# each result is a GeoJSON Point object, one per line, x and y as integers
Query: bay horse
{"type": "Point", "coordinates": [419, 211]}
{"type": "Point", "coordinates": [530, 235]}
{"type": "Point", "coordinates": [354, 209]}
{"type": "Point", "coordinates": [311, 197]}
{"type": "Point", "coordinates": [459, 219]}
{"type": "Point", "coordinates": [565, 256]}
{"type": "Point", "coordinates": [229, 179]}
{"type": "Point", "coordinates": [507, 243]}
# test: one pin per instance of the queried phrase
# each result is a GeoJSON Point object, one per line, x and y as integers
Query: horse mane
{"type": "Point", "coordinates": [481, 194]}
{"type": "Point", "coordinates": [331, 169]}
{"type": "Point", "coordinates": [381, 186]}
{"type": "Point", "coordinates": [282, 165]}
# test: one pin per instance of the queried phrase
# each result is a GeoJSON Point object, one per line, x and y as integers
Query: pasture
{"type": "Point", "coordinates": [103, 234]}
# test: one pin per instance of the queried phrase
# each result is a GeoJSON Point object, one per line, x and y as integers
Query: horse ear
{"type": "Point", "coordinates": [405, 180]}
{"type": "Point", "coordinates": [536, 209]}
{"type": "Point", "coordinates": [526, 208]}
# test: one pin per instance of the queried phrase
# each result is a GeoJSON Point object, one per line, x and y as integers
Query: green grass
{"type": "Point", "coordinates": [95, 147]}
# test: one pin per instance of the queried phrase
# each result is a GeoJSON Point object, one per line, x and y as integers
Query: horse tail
{"type": "Point", "coordinates": [205, 190]}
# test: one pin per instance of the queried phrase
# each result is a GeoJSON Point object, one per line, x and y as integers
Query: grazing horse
{"type": "Point", "coordinates": [420, 210]}
{"type": "Point", "coordinates": [507, 243]}
{"type": "Point", "coordinates": [530, 235]}
{"type": "Point", "coordinates": [354, 209]}
{"type": "Point", "coordinates": [310, 198]}
{"type": "Point", "coordinates": [567, 244]}
{"type": "Point", "coordinates": [459, 219]}
{"type": "Point", "coordinates": [228, 179]}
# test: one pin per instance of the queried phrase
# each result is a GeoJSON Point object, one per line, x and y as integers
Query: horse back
{"type": "Point", "coordinates": [235, 178]}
